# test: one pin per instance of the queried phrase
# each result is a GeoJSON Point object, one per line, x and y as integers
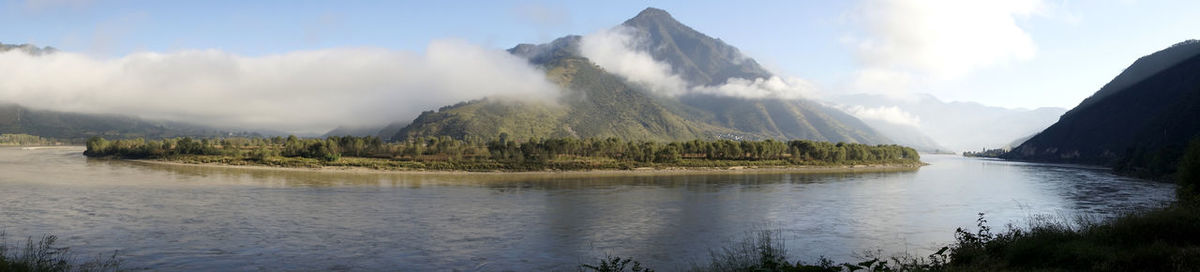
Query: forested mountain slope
{"type": "Point", "coordinates": [1141, 129]}
{"type": "Point", "coordinates": [597, 103]}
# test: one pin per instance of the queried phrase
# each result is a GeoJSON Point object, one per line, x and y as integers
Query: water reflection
{"type": "Point", "coordinates": [500, 181]}
{"type": "Point", "coordinates": [170, 217]}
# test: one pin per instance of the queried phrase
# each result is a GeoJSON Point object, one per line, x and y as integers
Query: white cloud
{"type": "Point", "coordinates": [303, 91]}
{"type": "Point", "coordinates": [774, 87]}
{"type": "Point", "coordinates": [939, 39]}
{"type": "Point", "coordinates": [616, 51]}
{"type": "Point", "coordinates": [890, 114]}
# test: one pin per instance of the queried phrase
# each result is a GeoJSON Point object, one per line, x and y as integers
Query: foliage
{"type": "Point", "coordinates": [43, 256]}
{"type": "Point", "coordinates": [503, 153]}
{"type": "Point", "coordinates": [1157, 240]}
{"type": "Point", "coordinates": [25, 139]}
{"type": "Point", "coordinates": [1189, 174]}
{"type": "Point", "coordinates": [615, 264]}
{"type": "Point", "coordinates": [765, 251]}
{"type": "Point", "coordinates": [1163, 239]}
{"type": "Point", "coordinates": [986, 153]}
{"type": "Point", "coordinates": [761, 251]}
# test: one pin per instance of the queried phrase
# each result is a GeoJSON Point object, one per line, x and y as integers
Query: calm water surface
{"type": "Point", "coordinates": [205, 218]}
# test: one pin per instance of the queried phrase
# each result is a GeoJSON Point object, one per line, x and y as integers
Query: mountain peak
{"type": "Point", "coordinates": [701, 60]}
{"type": "Point", "coordinates": [27, 48]}
{"type": "Point", "coordinates": [651, 16]}
{"type": "Point", "coordinates": [653, 12]}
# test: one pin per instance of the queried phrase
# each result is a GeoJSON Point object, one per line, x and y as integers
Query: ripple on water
{"type": "Point", "coordinates": [204, 218]}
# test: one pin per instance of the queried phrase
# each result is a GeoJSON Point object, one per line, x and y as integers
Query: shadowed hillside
{"type": "Point", "coordinates": [1140, 129]}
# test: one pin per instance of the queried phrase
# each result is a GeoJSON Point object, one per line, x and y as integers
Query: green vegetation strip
{"type": "Point", "coordinates": [502, 154]}
{"type": "Point", "coordinates": [25, 139]}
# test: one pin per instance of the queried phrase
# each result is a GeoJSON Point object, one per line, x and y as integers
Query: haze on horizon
{"type": "Point", "coordinates": [313, 66]}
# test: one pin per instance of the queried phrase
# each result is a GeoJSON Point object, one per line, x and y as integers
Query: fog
{"type": "Point", "coordinates": [300, 91]}
{"type": "Point", "coordinates": [890, 114]}
{"type": "Point", "coordinates": [616, 50]}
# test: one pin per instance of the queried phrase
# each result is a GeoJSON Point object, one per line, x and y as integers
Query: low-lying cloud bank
{"type": "Point", "coordinates": [890, 114]}
{"type": "Point", "coordinates": [302, 91]}
{"type": "Point", "coordinates": [616, 50]}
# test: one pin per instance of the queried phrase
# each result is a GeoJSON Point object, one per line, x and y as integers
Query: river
{"type": "Point", "coordinates": [165, 217]}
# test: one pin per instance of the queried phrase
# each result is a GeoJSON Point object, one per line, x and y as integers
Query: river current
{"type": "Point", "coordinates": [169, 217]}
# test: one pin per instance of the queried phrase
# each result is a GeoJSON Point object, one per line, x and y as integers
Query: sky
{"type": "Point", "coordinates": [1008, 53]}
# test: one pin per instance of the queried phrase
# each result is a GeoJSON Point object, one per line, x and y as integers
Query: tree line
{"type": "Point", "coordinates": [986, 153]}
{"type": "Point", "coordinates": [505, 149]}
{"type": "Point", "coordinates": [25, 139]}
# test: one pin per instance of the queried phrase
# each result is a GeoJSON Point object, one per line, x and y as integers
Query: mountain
{"type": "Point", "coordinates": [1144, 68]}
{"type": "Point", "coordinates": [705, 61]}
{"type": "Point", "coordinates": [27, 48]}
{"type": "Point", "coordinates": [77, 127]}
{"type": "Point", "coordinates": [908, 135]}
{"type": "Point", "coordinates": [698, 58]}
{"type": "Point", "coordinates": [594, 104]}
{"type": "Point", "coordinates": [597, 103]}
{"type": "Point", "coordinates": [383, 132]}
{"type": "Point", "coordinates": [1138, 123]}
{"type": "Point", "coordinates": [353, 131]}
{"type": "Point", "coordinates": [959, 126]}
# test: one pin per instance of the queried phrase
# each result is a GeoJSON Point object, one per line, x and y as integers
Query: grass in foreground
{"type": "Point", "coordinates": [43, 256]}
{"type": "Point", "coordinates": [1163, 239]}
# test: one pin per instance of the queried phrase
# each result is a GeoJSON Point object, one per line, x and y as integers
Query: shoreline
{"type": "Point", "coordinates": [646, 171]}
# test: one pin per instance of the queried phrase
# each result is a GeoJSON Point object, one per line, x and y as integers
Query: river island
{"type": "Point", "coordinates": [504, 155]}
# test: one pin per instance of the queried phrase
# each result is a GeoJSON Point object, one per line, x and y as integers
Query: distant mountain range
{"type": "Point", "coordinates": [1138, 123]}
{"type": "Point", "coordinates": [597, 103]}
{"type": "Point", "coordinates": [77, 127]}
{"type": "Point", "coordinates": [27, 48]}
{"type": "Point", "coordinates": [953, 126]}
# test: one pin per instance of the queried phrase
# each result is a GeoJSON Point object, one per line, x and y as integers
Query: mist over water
{"type": "Point", "coordinates": [209, 218]}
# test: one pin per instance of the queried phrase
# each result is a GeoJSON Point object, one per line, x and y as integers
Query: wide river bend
{"type": "Point", "coordinates": [165, 217]}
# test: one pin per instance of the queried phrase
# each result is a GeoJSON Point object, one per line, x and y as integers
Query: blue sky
{"type": "Point", "coordinates": [1077, 46]}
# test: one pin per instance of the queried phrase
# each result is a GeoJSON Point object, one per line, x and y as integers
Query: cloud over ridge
{"type": "Point", "coordinates": [300, 91]}
{"type": "Point", "coordinates": [616, 50]}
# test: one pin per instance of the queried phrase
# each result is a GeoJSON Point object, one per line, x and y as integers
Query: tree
{"type": "Point", "coordinates": [96, 146]}
{"type": "Point", "coordinates": [1189, 173]}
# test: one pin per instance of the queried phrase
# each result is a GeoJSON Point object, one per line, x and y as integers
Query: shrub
{"type": "Point", "coordinates": [43, 255]}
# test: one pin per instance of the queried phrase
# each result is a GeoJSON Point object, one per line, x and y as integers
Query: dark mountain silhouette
{"type": "Point", "coordinates": [1139, 123]}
